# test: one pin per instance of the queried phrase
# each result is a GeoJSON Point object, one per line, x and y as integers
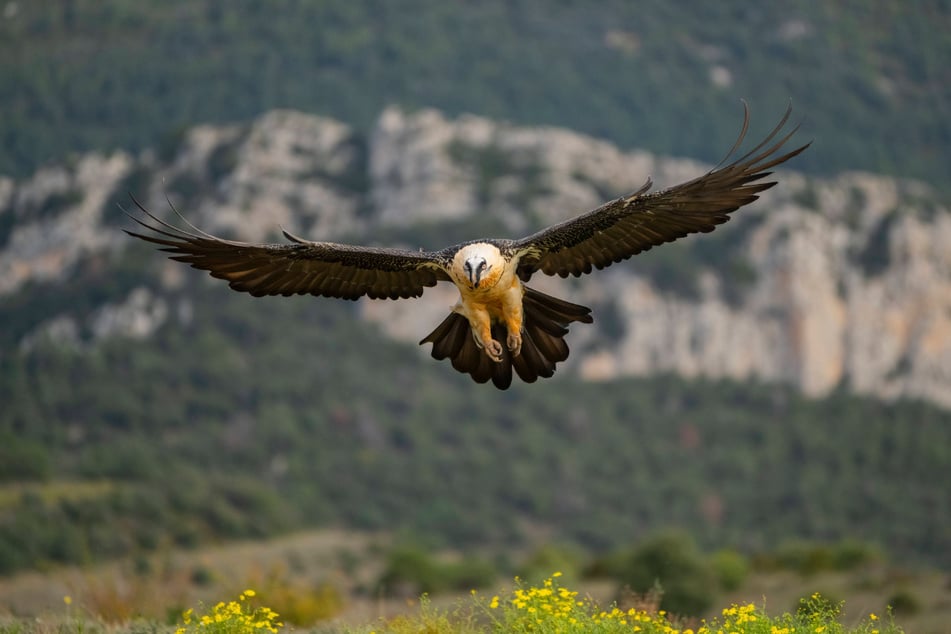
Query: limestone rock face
{"type": "Point", "coordinates": [412, 175]}
{"type": "Point", "coordinates": [285, 170]}
{"type": "Point", "coordinates": [52, 220]}
{"type": "Point", "coordinates": [852, 275]}
{"type": "Point", "coordinates": [824, 284]}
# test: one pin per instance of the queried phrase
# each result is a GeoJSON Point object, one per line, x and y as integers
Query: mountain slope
{"type": "Point", "coordinates": [824, 284]}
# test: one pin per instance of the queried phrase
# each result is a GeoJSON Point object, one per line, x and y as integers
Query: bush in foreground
{"type": "Point", "coordinates": [233, 617]}
{"type": "Point", "coordinates": [547, 607]}
{"type": "Point", "coordinates": [556, 609]}
{"type": "Point", "coordinates": [673, 561]}
{"type": "Point", "coordinates": [551, 608]}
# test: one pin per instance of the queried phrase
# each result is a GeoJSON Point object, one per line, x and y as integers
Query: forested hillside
{"type": "Point", "coordinates": [869, 78]}
{"type": "Point", "coordinates": [261, 417]}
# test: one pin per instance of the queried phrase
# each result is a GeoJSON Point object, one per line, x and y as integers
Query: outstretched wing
{"type": "Point", "coordinates": [301, 267]}
{"type": "Point", "coordinates": [635, 223]}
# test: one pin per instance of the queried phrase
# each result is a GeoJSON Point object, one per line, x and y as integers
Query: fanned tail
{"type": "Point", "coordinates": [544, 326]}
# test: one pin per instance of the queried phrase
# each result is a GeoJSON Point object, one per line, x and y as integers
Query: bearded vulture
{"type": "Point", "coordinates": [499, 324]}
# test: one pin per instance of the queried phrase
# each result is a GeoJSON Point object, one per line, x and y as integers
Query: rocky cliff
{"type": "Point", "coordinates": [839, 283]}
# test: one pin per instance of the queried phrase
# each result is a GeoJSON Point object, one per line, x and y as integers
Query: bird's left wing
{"type": "Point", "coordinates": [300, 267]}
{"type": "Point", "coordinates": [629, 225]}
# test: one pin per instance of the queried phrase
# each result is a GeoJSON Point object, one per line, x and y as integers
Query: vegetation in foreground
{"type": "Point", "coordinates": [551, 607]}
{"type": "Point", "coordinates": [331, 581]}
{"type": "Point", "coordinates": [548, 606]}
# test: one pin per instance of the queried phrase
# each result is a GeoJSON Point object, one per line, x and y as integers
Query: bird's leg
{"type": "Point", "coordinates": [514, 343]}
{"type": "Point", "coordinates": [481, 325]}
{"type": "Point", "coordinates": [513, 324]}
{"type": "Point", "coordinates": [513, 316]}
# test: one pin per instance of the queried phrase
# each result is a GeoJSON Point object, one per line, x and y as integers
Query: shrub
{"type": "Point", "coordinates": [672, 561]}
{"type": "Point", "coordinates": [850, 554]}
{"type": "Point", "coordinates": [202, 575]}
{"type": "Point", "coordinates": [470, 573]}
{"type": "Point", "coordinates": [233, 617]}
{"type": "Point", "coordinates": [550, 557]}
{"type": "Point", "coordinates": [730, 568]}
{"type": "Point", "coordinates": [809, 558]}
{"type": "Point", "coordinates": [904, 602]}
{"type": "Point", "coordinates": [409, 571]}
{"type": "Point", "coordinates": [817, 604]}
{"type": "Point", "coordinates": [804, 557]}
{"type": "Point", "coordinates": [298, 600]}
{"type": "Point", "coordinates": [299, 604]}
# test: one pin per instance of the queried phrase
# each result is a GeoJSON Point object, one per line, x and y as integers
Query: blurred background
{"type": "Point", "coordinates": [763, 411]}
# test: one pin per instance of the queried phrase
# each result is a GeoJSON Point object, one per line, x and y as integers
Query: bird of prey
{"type": "Point", "coordinates": [499, 326]}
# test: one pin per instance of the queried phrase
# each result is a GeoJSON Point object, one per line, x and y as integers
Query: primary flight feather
{"type": "Point", "coordinates": [499, 326]}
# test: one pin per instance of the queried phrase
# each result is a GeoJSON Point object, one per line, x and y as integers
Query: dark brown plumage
{"type": "Point", "coordinates": [632, 224]}
{"type": "Point", "coordinates": [544, 327]}
{"type": "Point", "coordinates": [488, 311]}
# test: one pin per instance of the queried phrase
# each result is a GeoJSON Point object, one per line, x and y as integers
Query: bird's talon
{"type": "Point", "coordinates": [494, 349]}
{"type": "Point", "coordinates": [514, 343]}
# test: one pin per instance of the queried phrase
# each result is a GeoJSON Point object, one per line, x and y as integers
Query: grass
{"type": "Point", "coordinates": [552, 608]}
{"type": "Point", "coordinates": [545, 608]}
{"type": "Point", "coordinates": [328, 582]}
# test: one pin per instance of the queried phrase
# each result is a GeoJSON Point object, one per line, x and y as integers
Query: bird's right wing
{"type": "Point", "coordinates": [629, 225]}
{"type": "Point", "coordinates": [300, 267]}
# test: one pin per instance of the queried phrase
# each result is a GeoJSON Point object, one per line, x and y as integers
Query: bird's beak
{"type": "Point", "coordinates": [475, 270]}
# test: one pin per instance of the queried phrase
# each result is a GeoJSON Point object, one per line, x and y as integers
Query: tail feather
{"type": "Point", "coordinates": [482, 371]}
{"type": "Point", "coordinates": [553, 347]}
{"type": "Point", "coordinates": [556, 309]}
{"type": "Point", "coordinates": [501, 372]}
{"type": "Point", "coordinates": [449, 336]}
{"type": "Point", "coordinates": [545, 323]}
{"type": "Point", "coordinates": [531, 363]}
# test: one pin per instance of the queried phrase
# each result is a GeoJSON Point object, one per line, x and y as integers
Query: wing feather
{"type": "Point", "coordinates": [632, 224]}
{"type": "Point", "coordinates": [300, 267]}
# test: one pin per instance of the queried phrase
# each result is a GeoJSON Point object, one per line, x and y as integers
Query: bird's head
{"type": "Point", "coordinates": [475, 265]}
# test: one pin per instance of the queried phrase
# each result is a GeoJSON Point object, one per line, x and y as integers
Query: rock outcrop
{"type": "Point", "coordinates": [839, 283]}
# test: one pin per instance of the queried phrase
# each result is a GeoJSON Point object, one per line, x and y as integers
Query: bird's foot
{"type": "Point", "coordinates": [514, 343]}
{"type": "Point", "coordinates": [494, 349]}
